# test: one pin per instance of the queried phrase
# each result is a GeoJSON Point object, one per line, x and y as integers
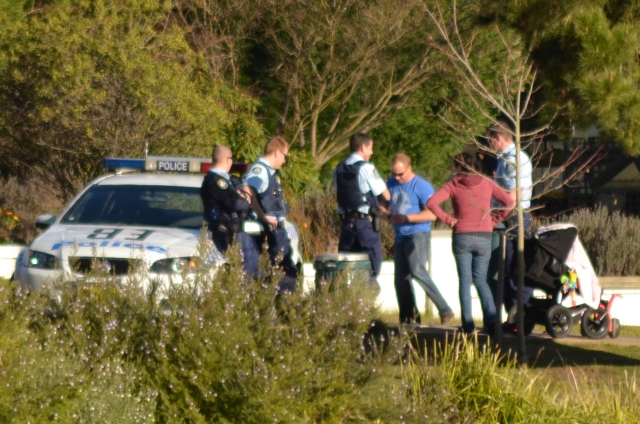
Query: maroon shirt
{"type": "Point", "coordinates": [471, 197]}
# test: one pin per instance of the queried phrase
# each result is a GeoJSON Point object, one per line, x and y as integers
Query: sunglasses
{"type": "Point", "coordinates": [398, 175]}
{"type": "Point", "coordinates": [286, 157]}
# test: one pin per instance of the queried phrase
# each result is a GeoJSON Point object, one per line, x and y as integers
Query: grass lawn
{"type": "Point", "coordinates": [574, 359]}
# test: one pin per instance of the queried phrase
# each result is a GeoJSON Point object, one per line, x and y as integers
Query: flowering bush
{"type": "Point", "coordinates": [8, 222]}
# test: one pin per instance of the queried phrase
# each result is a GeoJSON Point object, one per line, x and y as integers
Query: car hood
{"type": "Point", "coordinates": [117, 241]}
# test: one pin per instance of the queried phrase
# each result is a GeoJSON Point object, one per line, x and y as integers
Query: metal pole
{"type": "Point", "coordinates": [502, 249]}
{"type": "Point", "coordinates": [522, 348]}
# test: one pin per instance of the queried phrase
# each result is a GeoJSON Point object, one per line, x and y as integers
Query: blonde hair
{"type": "Point", "coordinates": [401, 158]}
{"type": "Point", "coordinates": [276, 143]}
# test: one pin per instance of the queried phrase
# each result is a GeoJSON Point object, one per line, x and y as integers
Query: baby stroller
{"type": "Point", "coordinates": [551, 254]}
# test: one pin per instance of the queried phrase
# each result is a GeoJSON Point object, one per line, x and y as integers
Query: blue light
{"type": "Point", "coordinates": [120, 163]}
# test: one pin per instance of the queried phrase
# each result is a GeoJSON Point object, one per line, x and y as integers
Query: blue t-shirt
{"type": "Point", "coordinates": [409, 198]}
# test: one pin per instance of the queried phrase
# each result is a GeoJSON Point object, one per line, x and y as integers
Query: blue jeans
{"type": "Point", "coordinates": [410, 259]}
{"type": "Point", "coordinates": [472, 253]}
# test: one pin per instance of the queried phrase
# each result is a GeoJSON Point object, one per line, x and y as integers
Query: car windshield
{"type": "Point", "coordinates": [138, 205]}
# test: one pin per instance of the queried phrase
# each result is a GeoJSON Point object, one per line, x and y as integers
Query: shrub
{"type": "Point", "coordinates": [44, 379]}
{"type": "Point", "coordinates": [28, 200]}
{"type": "Point", "coordinates": [607, 238]}
{"type": "Point", "coordinates": [223, 349]}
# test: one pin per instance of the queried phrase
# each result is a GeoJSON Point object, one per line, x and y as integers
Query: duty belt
{"type": "Point", "coordinates": [350, 216]}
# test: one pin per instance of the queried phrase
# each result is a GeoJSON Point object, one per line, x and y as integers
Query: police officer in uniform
{"type": "Point", "coordinates": [225, 208]}
{"type": "Point", "coordinates": [360, 190]}
{"type": "Point", "coordinates": [500, 138]}
{"type": "Point", "coordinates": [270, 207]}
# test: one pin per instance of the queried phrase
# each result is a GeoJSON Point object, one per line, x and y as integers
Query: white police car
{"type": "Point", "coordinates": [124, 219]}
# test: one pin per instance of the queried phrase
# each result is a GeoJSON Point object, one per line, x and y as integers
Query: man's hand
{"type": "Point", "coordinates": [453, 223]}
{"type": "Point", "coordinates": [398, 219]}
{"type": "Point", "coordinates": [271, 220]}
{"type": "Point", "coordinates": [246, 196]}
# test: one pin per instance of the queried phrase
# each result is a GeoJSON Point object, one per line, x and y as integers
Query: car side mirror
{"type": "Point", "coordinates": [45, 221]}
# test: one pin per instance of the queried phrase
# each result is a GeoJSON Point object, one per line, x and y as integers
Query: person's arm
{"type": "Point", "coordinates": [434, 205]}
{"type": "Point", "coordinates": [384, 199]}
{"type": "Point", "coordinates": [506, 199]}
{"type": "Point", "coordinates": [424, 215]}
{"type": "Point", "coordinates": [255, 206]}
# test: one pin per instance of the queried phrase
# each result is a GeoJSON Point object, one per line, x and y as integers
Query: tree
{"type": "Point", "coordinates": [506, 90]}
{"type": "Point", "coordinates": [324, 69]}
{"type": "Point", "coordinates": [85, 79]}
{"type": "Point", "coordinates": [586, 53]}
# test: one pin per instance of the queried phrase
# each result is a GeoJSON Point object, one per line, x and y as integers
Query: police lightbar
{"type": "Point", "coordinates": [166, 164]}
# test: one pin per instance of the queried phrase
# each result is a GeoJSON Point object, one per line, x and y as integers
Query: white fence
{"type": "Point", "coordinates": [444, 274]}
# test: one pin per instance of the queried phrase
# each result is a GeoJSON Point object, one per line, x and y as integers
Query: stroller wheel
{"type": "Point", "coordinates": [529, 323]}
{"type": "Point", "coordinates": [615, 330]}
{"type": "Point", "coordinates": [558, 321]}
{"type": "Point", "coordinates": [595, 323]}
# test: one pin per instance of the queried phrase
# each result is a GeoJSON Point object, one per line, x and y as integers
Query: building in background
{"type": "Point", "coordinates": [613, 180]}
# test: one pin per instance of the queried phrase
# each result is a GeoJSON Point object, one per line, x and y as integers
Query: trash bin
{"type": "Point", "coordinates": [328, 266]}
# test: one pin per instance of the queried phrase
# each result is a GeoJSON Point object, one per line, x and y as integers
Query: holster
{"type": "Point", "coordinates": [376, 217]}
{"type": "Point", "coordinates": [273, 228]}
{"type": "Point", "coordinates": [229, 227]}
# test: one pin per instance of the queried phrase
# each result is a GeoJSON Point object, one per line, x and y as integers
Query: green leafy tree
{"type": "Point", "coordinates": [86, 79]}
{"type": "Point", "coordinates": [586, 52]}
{"type": "Point", "coordinates": [324, 69]}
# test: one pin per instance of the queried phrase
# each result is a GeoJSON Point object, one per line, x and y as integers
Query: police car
{"type": "Point", "coordinates": [146, 214]}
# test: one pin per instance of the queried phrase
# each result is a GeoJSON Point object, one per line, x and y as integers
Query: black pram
{"type": "Point", "coordinates": [551, 253]}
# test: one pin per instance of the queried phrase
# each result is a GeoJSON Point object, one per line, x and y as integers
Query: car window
{"type": "Point", "coordinates": [138, 205]}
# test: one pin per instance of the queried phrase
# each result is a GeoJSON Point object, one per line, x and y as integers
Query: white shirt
{"type": "Point", "coordinates": [506, 173]}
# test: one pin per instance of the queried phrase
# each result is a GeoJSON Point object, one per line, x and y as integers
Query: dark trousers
{"type": "Point", "coordinates": [248, 248]}
{"type": "Point", "coordinates": [278, 244]}
{"type": "Point", "coordinates": [357, 236]}
{"type": "Point", "coordinates": [510, 297]}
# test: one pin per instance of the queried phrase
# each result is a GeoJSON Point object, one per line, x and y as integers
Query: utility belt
{"type": "Point", "coordinates": [352, 216]}
{"type": "Point", "coordinates": [374, 215]}
{"type": "Point", "coordinates": [228, 227]}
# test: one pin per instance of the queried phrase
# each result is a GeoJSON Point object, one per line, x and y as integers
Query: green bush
{"type": "Point", "coordinates": [223, 349]}
{"type": "Point", "coordinates": [213, 349]}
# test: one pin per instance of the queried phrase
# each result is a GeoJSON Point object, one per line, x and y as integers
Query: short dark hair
{"type": "Point", "coordinates": [465, 162]}
{"type": "Point", "coordinates": [358, 140]}
{"type": "Point", "coordinates": [220, 154]}
{"type": "Point", "coordinates": [502, 128]}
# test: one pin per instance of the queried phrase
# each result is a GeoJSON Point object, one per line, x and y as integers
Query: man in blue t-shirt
{"type": "Point", "coordinates": [412, 225]}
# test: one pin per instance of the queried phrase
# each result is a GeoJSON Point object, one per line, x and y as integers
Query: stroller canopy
{"type": "Point", "coordinates": [545, 255]}
{"type": "Point", "coordinates": [550, 252]}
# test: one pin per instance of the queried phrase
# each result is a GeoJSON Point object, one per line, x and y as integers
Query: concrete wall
{"type": "Point", "coordinates": [444, 274]}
